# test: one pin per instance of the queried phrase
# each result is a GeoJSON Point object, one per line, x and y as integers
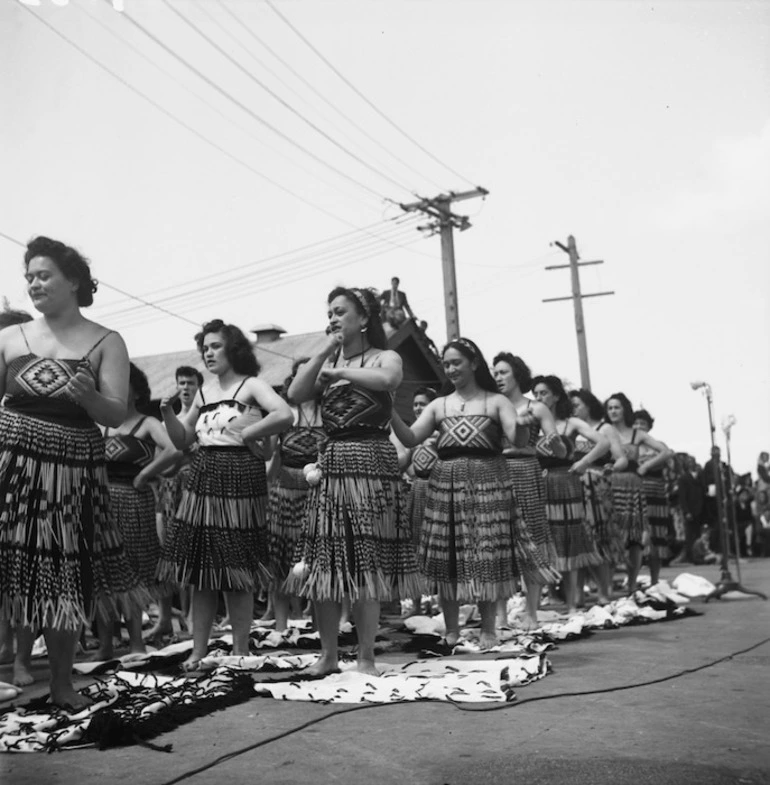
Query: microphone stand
{"type": "Point", "coordinates": [726, 582]}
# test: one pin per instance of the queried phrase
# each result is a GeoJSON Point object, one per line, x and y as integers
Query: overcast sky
{"type": "Point", "coordinates": [643, 129]}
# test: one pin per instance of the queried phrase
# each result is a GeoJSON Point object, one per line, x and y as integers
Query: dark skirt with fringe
{"type": "Point", "coordinates": [526, 475]}
{"type": "Point", "coordinates": [285, 516]}
{"type": "Point", "coordinates": [597, 495]}
{"type": "Point", "coordinates": [356, 540]}
{"type": "Point", "coordinates": [629, 510]}
{"type": "Point", "coordinates": [62, 558]}
{"type": "Point", "coordinates": [565, 509]}
{"type": "Point", "coordinates": [134, 511]}
{"type": "Point", "coordinates": [468, 550]}
{"type": "Point", "coordinates": [659, 516]}
{"type": "Point", "coordinates": [218, 537]}
{"type": "Point", "coordinates": [416, 500]}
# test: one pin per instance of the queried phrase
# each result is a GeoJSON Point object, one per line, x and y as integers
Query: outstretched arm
{"type": "Point", "coordinates": [426, 423]}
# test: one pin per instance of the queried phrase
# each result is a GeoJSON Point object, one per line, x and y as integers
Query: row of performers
{"type": "Point", "coordinates": [73, 545]}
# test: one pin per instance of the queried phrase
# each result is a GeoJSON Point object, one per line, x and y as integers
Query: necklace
{"type": "Point", "coordinates": [463, 401]}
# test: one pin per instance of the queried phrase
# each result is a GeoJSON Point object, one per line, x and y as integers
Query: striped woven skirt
{"type": "Point", "coordinates": [416, 500]}
{"type": "Point", "coordinates": [629, 510]}
{"type": "Point", "coordinates": [218, 537]}
{"type": "Point", "coordinates": [597, 495]}
{"type": "Point", "coordinates": [467, 549]}
{"type": "Point", "coordinates": [659, 516]}
{"type": "Point", "coordinates": [526, 475]}
{"type": "Point", "coordinates": [62, 558]}
{"type": "Point", "coordinates": [356, 540]}
{"type": "Point", "coordinates": [565, 509]}
{"type": "Point", "coordinates": [285, 515]}
{"type": "Point", "coordinates": [134, 511]}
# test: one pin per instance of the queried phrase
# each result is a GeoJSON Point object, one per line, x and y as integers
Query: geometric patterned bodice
{"type": "Point", "coordinates": [470, 434]}
{"type": "Point", "coordinates": [424, 457]}
{"type": "Point", "coordinates": [126, 454]}
{"type": "Point", "coordinates": [347, 409]}
{"type": "Point", "coordinates": [300, 445]}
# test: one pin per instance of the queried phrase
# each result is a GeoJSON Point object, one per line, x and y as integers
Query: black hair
{"type": "Point", "coordinates": [137, 380]}
{"type": "Point", "coordinates": [238, 350]}
{"type": "Point", "coordinates": [366, 305]}
{"type": "Point", "coordinates": [428, 392]}
{"type": "Point", "coordinates": [628, 410]}
{"type": "Point", "coordinates": [595, 408]}
{"type": "Point", "coordinates": [643, 414]}
{"type": "Point", "coordinates": [72, 264]}
{"type": "Point", "coordinates": [563, 408]}
{"type": "Point", "coordinates": [9, 316]}
{"type": "Point", "coordinates": [188, 370]}
{"type": "Point", "coordinates": [482, 374]}
{"type": "Point", "coordinates": [290, 378]}
{"type": "Point", "coordinates": [520, 369]}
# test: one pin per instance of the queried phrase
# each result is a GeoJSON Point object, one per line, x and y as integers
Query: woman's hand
{"type": "Point", "coordinates": [329, 375]}
{"type": "Point", "coordinates": [82, 387]}
{"type": "Point", "coordinates": [642, 470]}
{"type": "Point", "coordinates": [140, 481]}
{"type": "Point", "coordinates": [169, 401]}
{"type": "Point", "coordinates": [333, 343]}
{"type": "Point", "coordinates": [578, 467]}
{"type": "Point", "coordinates": [526, 419]}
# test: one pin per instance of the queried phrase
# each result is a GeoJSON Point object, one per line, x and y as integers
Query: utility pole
{"type": "Point", "coordinates": [445, 222]}
{"type": "Point", "coordinates": [577, 301]}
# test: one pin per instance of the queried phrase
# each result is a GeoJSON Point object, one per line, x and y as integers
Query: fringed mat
{"type": "Point", "coordinates": [480, 681]}
{"type": "Point", "coordinates": [128, 708]}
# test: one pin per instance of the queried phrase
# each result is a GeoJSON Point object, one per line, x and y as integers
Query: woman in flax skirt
{"type": "Point", "coordinates": [597, 490]}
{"type": "Point", "coordinates": [513, 379]}
{"type": "Point", "coordinates": [356, 541]}
{"type": "Point", "coordinates": [218, 538]}
{"type": "Point", "coordinates": [629, 506]}
{"type": "Point", "coordinates": [573, 537]}
{"type": "Point", "coordinates": [137, 452]}
{"type": "Point", "coordinates": [421, 461]}
{"type": "Point", "coordinates": [470, 541]}
{"type": "Point", "coordinates": [62, 559]}
{"type": "Point", "coordinates": [655, 495]}
{"type": "Point", "coordinates": [292, 451]}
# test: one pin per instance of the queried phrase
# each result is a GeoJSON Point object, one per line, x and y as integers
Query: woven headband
{"type": "Point", "coordinates": [359, 295]}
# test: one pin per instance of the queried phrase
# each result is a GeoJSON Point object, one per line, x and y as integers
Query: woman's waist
{"type": "Point", "coordinates": [55, 410]}
{"type": "Point", "coordinates": [448, 453]}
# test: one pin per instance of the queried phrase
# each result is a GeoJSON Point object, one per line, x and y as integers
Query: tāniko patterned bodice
{"type": "Point", "coordinates": [38, 385]}
{"type": "Point", "coordinates": [469, 434]}
{"type": "Point", "coordinates": [220, 424]}
{"type": "Point", "coordinates": [424, 457]}
{"type": "Point", "coordinates": [349, 411]}
{"type": "Point", "coordinates": [126, 454]}
{"type": "Point", "coordinates": [300, 445]}
{"type": "Point", "coordinates": [554, 462]}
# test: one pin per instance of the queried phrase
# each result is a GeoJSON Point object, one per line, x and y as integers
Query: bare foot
{"type": "Point", "coordinates": [101, 655]}
{"type": "Point", "coordinates": [66, 698]}
{"type": "Point", "coordinates": [367, 667]}
{"type": "Point", "coordinates": [452, 638]}
{"type": "Point", "coordinates": [139, 648]}
{"type": "Point", "coordinates": [22, 674]}
{"type": "Point", "coordinates": [323, 667]}
{"type": "Point", "coordinates": [527, 623]}
{"type": "Point", "coordinates": [158, 632]}
{"type": "Point", "coordinates": [192, 664]}
{"type": "Point", "coordinates": [6, 655]}
{"type": "Point", "coordinates": [488, 640]}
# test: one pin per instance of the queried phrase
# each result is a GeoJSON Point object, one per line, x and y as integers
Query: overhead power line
{"type": "Point", "coordinates": [248, 110]}
{"type": "Point", "coordinates": [362, 96]}
{"type": "Point", "coordinates": [315, 90]}
{"type": "Point", "coordinates": [211, 106]}
{"type": "Point", "coordinates": [283, 102]}
{"type": "Point", "coordinates": [184, 124]}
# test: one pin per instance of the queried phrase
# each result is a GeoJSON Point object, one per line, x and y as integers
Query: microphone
{"type": "Point", "coordinates": [697, 385]}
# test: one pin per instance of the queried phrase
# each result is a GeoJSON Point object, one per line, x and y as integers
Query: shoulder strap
{"type": "Point", "coordinates": [137, 426]}
{"type": "Point", "coordinates": [88, 353]}
{"type": "Point", "coordinates": [24, 336]}
{"type": "Point", "coordinates": [203, 397]}
{"type": "Point", "coordinates": [633, 436]}
{"type": "Point", "coordinates": [106, 431]}
{"type": "Point", "coordinates": [235, 394]}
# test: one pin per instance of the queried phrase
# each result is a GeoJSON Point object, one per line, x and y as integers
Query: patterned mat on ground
{"type": "Point", "coordinates": [128, 708]}
{"type": "Point", "coordinates": [469, 681]}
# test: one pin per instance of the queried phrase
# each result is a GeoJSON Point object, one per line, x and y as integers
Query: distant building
{"type": "Point", "coordinates": [276, 352]}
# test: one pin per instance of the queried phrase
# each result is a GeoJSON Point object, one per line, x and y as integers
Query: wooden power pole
{"type": "Point", "coordinates": [577, 301]}
{"type": "Point", "coordinates": [445, 222]}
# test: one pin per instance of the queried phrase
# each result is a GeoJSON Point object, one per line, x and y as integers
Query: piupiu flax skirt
{"type": "Point", "coordinates": [218, 537]}
{"type": "Point", "coordinates": [659, 516]}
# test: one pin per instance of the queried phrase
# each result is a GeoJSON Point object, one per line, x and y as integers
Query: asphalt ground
{"type": "Point", "coordinates": [578, 725]}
